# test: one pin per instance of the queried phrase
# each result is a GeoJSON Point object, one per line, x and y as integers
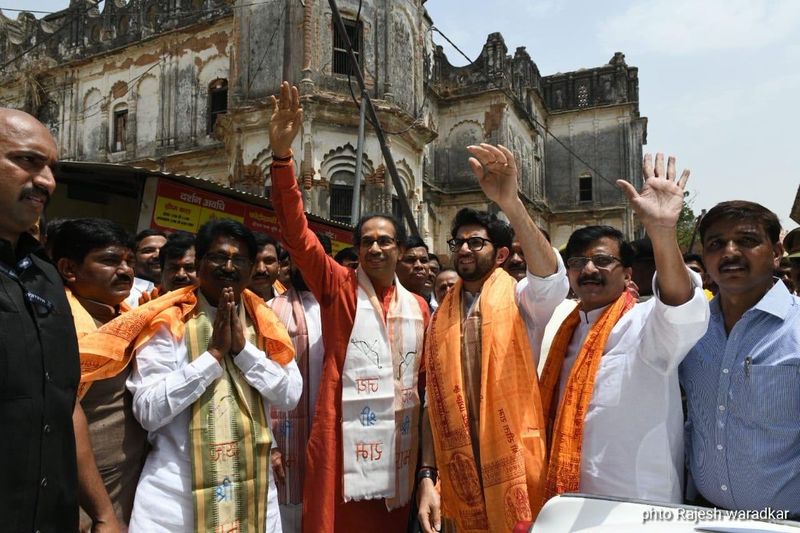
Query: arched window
{"type": "Point", "coordinates": [217, 102]}
{"type": "Point", "coordinates": [341, 196]}
{"type": "Point", "coordinates": [120, 129]}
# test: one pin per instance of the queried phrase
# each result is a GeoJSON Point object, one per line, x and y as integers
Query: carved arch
{"type": "Point", "coordinates": [465, 124]}
{"type": "Point", "coordinates": [144, 78]}
{"type": "Point", "coordinates": [205, 64]}
{"type": "Point", "coordinates": [344, 158]}
{"type": "Point", "coordinates": [406, 177]}
{"type": "Point", "coordinates": [118, 90]}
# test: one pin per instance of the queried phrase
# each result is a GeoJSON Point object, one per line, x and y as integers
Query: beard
{"type": "Point", "coordinates": [480, 269]}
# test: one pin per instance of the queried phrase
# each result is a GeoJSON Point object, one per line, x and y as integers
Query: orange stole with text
{"type": "Point", "coordinates": [271, 338]}
{"type": "Point", "coordinates": [565, 421]}
{"type": "Point", "coordinates": [511, 427]}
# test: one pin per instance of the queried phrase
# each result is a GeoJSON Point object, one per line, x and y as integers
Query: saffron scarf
{"type": "Point", "coordinates": [229, 432]}
{"type": "Point", "coordinates": [291, 428]}
{"type": "Point", "coordinates": [380, 400]}
{"type": "Point", "coordinates": [105, 351]}
{"type": "Point", "coordinates": [271, 335]}
{"type": "Point", "coordinates": [511, 424]}
{"type": "Point", "coordinates": [565, 421]}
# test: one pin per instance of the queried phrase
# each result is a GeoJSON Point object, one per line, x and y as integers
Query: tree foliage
{"type": "Point", "coordinates": [686, 223]}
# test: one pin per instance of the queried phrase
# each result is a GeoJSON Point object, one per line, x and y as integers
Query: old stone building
{"type": "Point", "coordinates": [184, 86]}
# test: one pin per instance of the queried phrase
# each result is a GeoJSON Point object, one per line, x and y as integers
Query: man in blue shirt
{"type": "Point", "coordinates": [742, 379]}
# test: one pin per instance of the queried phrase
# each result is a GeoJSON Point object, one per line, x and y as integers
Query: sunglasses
{"type": "Point", "coordinates": [601, 261]}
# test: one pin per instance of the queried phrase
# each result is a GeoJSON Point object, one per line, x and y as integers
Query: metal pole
{"type": "Point", "coordinates": [355, 208]}
{"type": "Point", "coordinates": [387, 154]}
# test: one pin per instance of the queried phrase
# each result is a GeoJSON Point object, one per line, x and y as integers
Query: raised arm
{"type": "Point", "coordinates": [496, 170]}
{"type": "Point", "coordinates": [319, 270]}
{"type": "Point", "coordinates": [658, 206]}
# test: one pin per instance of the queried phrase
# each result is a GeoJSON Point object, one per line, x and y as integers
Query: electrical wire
{"type": "Point", "coordinates": [418, 113]}
{"type": "Point", "coordinates": [532, 117]}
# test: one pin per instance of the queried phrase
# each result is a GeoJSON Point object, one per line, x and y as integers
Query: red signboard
{"type": "Point", "coordinates": [182, 207]}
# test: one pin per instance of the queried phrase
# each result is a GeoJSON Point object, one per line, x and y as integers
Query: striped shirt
{"type": "Point", "coordinates": [743, 393]}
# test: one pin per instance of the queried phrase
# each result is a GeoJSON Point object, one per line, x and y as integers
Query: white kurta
{"type": "Point", "coordinates": [164, 385]}
{"type": "Point", "coordinates": [633, 430]}
{"type": "Point", "coordinates": [537, 299]}
{"type": "Point", "coordinates": [139, 286]}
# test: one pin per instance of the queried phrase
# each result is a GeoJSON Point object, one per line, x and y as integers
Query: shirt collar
{"type": "Point", "coordinates": [590, 317]}
{"type": "Point", "coordinates": [777, 301]}
{"type": "Point", "coordinates": [27, 244]}
{"type": "Point", "coordinates": [99, 311]}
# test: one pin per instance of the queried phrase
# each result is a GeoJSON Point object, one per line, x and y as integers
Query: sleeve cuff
{"type": "Point", "coordinates": [252, 356]}
{"type": "Point", "coordinates": [678, 314]}
{"type": "Point", "coordinates": [206, 367]}
{"type": "Point", "coordinates": [560, 272]}
{"type": "Point", "coordinates": [694, 277]}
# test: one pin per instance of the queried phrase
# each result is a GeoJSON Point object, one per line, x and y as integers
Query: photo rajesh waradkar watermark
{"type": "Point", "coordinates": [695, 515]}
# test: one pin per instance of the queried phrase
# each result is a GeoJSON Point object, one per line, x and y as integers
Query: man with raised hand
{"type": "Point", "coordinates": [483, 408]}
{"type": "Point", "coordinates": [363, 446]}
{"type": "Point", "coordinates": [610, 384]}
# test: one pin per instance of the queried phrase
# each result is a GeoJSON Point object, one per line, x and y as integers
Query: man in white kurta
{"type": "Point", "coordinates": [633, 430]}
{"type": "Point", "coordinates": [165, 384]}
{"type": "Point", "coordinates": [630, 435]}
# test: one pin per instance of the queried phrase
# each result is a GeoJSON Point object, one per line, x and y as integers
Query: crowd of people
{"type": "Point", "coordinates": [228, 381]}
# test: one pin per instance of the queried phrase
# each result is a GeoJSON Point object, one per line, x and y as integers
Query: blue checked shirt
{"type": "Point", "coordinates": [743, 392]}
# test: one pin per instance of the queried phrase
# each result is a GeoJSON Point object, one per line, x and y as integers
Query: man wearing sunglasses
{"type": "Point", "coordinates": [206, 371]}
{"type": "Point", "coordinates": [363, 445]}
{"type": "Point", "coordinates": [610, 383]}
{"type": "Point", "coordinates": [483, 408]}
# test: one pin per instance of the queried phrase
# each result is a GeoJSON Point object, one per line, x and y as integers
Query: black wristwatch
{"type": "Point", "coordinates": [429, 472]}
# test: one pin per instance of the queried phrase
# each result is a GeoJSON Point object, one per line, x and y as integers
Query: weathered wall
{"type": "Point", "coordinates": [158, 58]}
{"type": "Point", "coordinates": [610, 139]}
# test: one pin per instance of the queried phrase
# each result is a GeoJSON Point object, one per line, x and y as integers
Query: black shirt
{"type": "Point", "coordinates": [39, 375]}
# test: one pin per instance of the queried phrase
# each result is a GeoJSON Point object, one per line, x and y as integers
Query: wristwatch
{"type": "Point", "coordinates": [429, 472]}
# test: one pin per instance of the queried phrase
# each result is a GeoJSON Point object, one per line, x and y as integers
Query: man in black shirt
{"type": "Point", "coordinates": [39, 370]}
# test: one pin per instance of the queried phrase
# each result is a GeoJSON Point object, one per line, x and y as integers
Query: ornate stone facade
{"type": "Point", "coordinates": [184, 86]}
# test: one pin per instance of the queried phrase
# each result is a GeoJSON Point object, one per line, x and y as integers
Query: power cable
{"type": "Point", "coordinates": [532, 117]}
